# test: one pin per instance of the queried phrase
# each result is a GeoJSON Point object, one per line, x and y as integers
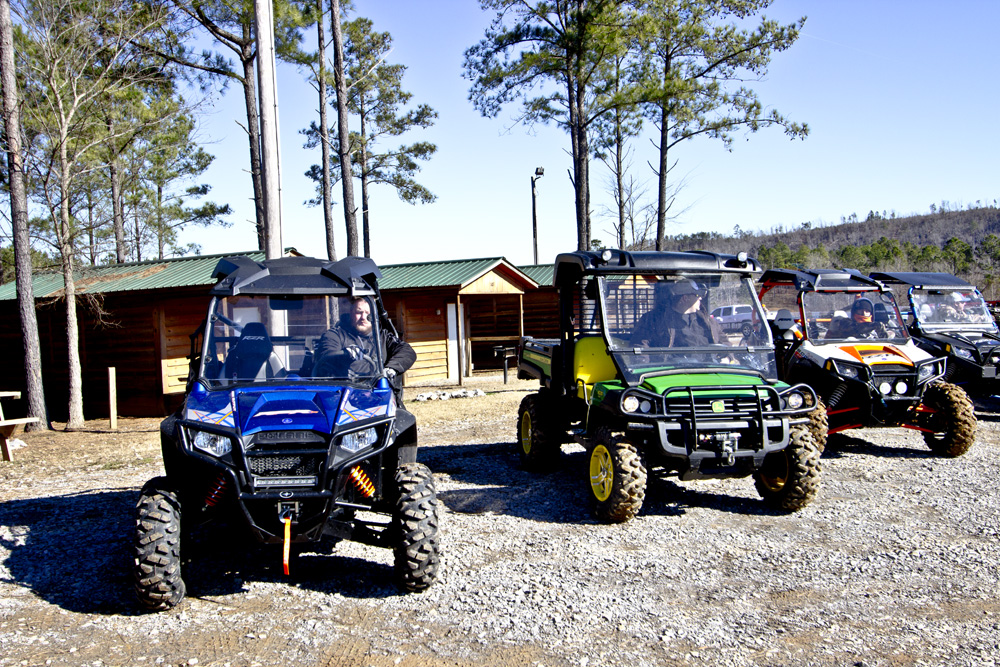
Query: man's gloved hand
{"type": "Point", "coordinates": [390, 373]}
{"type": "Point", "coordinates": [353, 351]}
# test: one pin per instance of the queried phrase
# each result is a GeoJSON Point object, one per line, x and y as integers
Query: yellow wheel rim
{"type": "Point", "coordinates": [602, 472]}
{"type": "Point", "coordinates": [526, 433]}
{"type": "Point", "coordinates": [775, 472]}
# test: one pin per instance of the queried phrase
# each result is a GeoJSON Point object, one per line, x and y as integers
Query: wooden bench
{"type": "Point", "coordinates": [7, 426]}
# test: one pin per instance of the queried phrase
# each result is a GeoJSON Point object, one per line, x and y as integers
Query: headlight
{"type": "Point", "coordinates": [963, 353]}
{"type": "Point", "coordinates": [358, 440]}
{"type": "Point", "coordinates": [630, 404]}
{"type": "Point", "coordinates": [794, 400]}
{"type": "Point", "coordinates": [212, 443]}
{"type": "Point", "coordinates": [926, 372]}
{"type": "Point", "coordinates": [850, 372]}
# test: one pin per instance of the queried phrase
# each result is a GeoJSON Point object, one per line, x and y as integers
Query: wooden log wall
{"type": "Point", "coordinates": [421, 320]}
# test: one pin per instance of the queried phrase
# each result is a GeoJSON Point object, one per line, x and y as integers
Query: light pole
{"type": "Point", "coordinates": [539, 172]}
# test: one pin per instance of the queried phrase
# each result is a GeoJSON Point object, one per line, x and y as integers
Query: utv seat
{"type": "Point", "coordinates": [591, 364]}
{"type": "Point", "coordinates": [788, 327]}
{"type": "Point", "coordinates": [253, 357]}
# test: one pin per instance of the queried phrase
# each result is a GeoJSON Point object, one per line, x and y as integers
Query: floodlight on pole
{"type": "Point", "coordinates": [539, 172]}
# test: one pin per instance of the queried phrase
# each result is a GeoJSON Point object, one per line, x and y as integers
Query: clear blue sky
{"type": "Point", "coordinates": [900, 96]}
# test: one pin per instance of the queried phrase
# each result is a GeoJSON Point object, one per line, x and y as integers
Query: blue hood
{"type": "Point", "coordinates": [319, 409]}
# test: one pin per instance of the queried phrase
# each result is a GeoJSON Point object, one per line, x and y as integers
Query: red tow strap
{"type": "Point", "coordinates": [287, 518]}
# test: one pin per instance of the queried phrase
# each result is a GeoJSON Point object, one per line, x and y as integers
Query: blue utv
{"type": "Point", "coordinates": [293, 457]}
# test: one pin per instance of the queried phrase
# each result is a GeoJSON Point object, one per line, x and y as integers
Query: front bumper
{"type": "Point", "coordinates": [716, 431]}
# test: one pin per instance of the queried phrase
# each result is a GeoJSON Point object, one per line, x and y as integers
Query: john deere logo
{"type": "Point", "coordinates": [718, 406]}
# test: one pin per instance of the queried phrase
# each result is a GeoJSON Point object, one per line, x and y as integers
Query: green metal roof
{"type": "Point", "coordinates": [134, 276]}
{"type": "Point", "coordinates": [197, 270]}
{"type": "Point", "coordinates": [449, 273]}
{"type": "Point", "coordinates": [540, 273]}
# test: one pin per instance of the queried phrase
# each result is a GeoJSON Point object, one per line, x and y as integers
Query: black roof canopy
{"type": "Point", "coordinates": [571, 266]}
{"type": "Point", "coordinates": [351, 276]}
{"type": "Point", "coordinates": [923, 279]}
{"type": "Point", "coordinates": [819, 280]}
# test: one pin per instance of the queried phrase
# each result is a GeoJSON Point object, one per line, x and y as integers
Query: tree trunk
{"type": "Point", "coordinates": [661, 192]}
{"type": "Point", "coordinates": [76, 420]}
{"type": "Point", "coordinates": [138, 232]}
{"type": "Point", "coordinates": [581, 179]}
{"type": "Point", "coordinates": [324, 134]}
{"type": "Point", "coordinates": [365, 229]}
{"type": "Point", "coordinates": [19, 222]}
{"type": "Point", "coordinates": [343, 133]}
{"type": "Point", "coordinates": [578, 140]}
{"type": "Point", "coordinates": [619, 181]}
{"type": "Point", "coordinates": [159, 220]}
{"type": "Point", "coordinates": [118, 214]}
{"type": "Point", "coordinates": [253, 132]}
{"type": "Point", "coordinates": [91, 227]}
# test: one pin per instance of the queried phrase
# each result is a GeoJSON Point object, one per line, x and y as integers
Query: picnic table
{"type": "Point", "coordinates": [7, 426]}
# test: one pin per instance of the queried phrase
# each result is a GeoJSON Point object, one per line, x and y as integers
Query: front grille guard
{"type": "Point", "coordinates": [723, 402]}
{"type": "Point", "coordinates": [312, 469]}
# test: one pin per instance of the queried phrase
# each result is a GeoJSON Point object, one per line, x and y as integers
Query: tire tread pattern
{"type": "Point", "coordinates": [628, 490]}
{"type": "Point", "coordinates": [157, 546]}
{"type": "Point", "coordinates": [956, 417]}
{"type": "Point", "coordinates": [544, 449]}
{"type": "Point", "coordinates": [819, 425]}
{"type": "Point", "coordinates": [803, 458]}
{"type": "Point", "coordinates": [415, 525]}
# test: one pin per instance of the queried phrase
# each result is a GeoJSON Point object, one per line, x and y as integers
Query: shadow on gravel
{"type": "Point", "coordinates": [838, 444]}
{"type": "Point", "coordinates": [224, 563]}
{"type": "Point", "coordinates": [76, 549]}
{"type": "Point", "coordinates": [668, 497]}
{"type": "Point", "coordinates": [76, 555]}
{"type": "Point", "coordinates": [559, 496]}
{"type": "Point", "coordinates": [987, 408]}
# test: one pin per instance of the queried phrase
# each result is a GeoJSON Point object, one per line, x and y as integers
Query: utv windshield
{"type": "Point", "coordinates": [259, 339]}
{"type": "Point", "coordinates": [662, 323]}
{"type": "Point", "coordinates": [837, 316]}
{"type": "Point", "coordinates": [943, 309]}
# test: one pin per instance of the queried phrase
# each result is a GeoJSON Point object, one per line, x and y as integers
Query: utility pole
{"type": "Point", "coordinates": [269, 152]}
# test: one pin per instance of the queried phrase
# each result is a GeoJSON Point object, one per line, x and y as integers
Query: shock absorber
{"type": "Point", "coordinates": [361, 482]}
{"type": "Point", "coordinates": [836, 395]}
{"type": "Point", "coordinates": [217, 491]}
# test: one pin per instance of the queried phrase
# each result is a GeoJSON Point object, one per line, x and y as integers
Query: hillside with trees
{"type": "Point", "coordinates": [962, 241]}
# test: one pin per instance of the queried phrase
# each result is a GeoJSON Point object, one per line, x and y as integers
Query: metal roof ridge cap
{"type": "Point", "coordinates": [441, 262]}
{"type": "Point", "coordinates": [497, 261]}
{"type": "Point", "coordinates": [494, 261]}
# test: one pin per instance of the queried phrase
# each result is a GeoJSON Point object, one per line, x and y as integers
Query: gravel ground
{"type": "Point", "coordinates": [896, 562]}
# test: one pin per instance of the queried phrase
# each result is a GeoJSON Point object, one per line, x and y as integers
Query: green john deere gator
{"type": "Point", "coordinates": [646, 380]}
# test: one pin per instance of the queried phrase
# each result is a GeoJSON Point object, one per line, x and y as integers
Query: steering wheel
{"type": "Point", "coordinates": [365, 365]}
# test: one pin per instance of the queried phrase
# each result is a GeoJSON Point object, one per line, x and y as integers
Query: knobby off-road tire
{"type": "Point", "coordinates": [157, 547]}
{"type": "Point", "coordinates": [538, 444]}
{"type": "Point", "coordinates": [415, 528]}
{"type": "Point", "coordinates": [789, 479]}
{"type": "Point", "coordinates": [819, 425]}
{"type": "Point", "coordinates": [954, 420]}
{"type": "Point", "coordinates": [617, 479]}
